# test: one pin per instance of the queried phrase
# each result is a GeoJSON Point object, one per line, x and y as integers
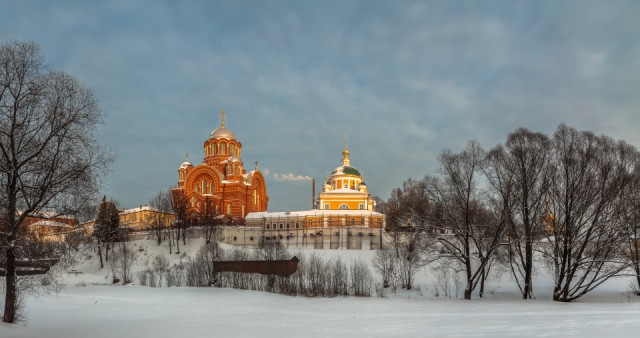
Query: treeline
{"type": "Point", "coordinates": [571, 200]}
{"type": "Point", "coordinates": [314, 277]}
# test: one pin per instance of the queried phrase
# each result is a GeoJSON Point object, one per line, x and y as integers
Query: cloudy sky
{"type": "Point", "coordinates": [403, 79]}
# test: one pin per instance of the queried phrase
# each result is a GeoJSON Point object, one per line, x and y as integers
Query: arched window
{"type": "Point", "coordinates": [223, 148]}
{"type": "Point", "coordinates": [211, 188]}
{"type": "Point", "coordinates": [204, 186]}
{"type": "Point", "coordinates": [232, 149]}
{"type": "Point", "coordinates": [215, 149]}
{"type": "Point", "coordinates": [198, 187]}
{"type": "Point", "coordinates": [343, 207]}
{"type": "Point", "coordinates": [229, 209]}
{"type": "Point", "coordinates": [237, 169]}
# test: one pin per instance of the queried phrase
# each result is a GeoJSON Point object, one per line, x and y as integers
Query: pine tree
{"type": "Point", "coordinates": [107, 227]}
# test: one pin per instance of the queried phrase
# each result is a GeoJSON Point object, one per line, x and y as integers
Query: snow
{"type": "Point", "coordinates": [314, 212]}
{"type": "Point", "coordinates": [102, 310]}
{"type": "Point", "coordinates": [50, 224]}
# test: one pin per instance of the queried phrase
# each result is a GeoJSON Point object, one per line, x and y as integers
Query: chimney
{"type": "Point", "coordinates": [313, 191]}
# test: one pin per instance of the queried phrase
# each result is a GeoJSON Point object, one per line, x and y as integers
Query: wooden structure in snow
{"type": "Point", "coordinates": [284, 268]}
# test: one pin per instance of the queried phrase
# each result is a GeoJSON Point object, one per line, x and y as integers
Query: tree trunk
{"type": "Point", "coordinates": [467, 291]}
{"type": "Point", "coordinates": [482, 278]}
{"type": "Point", "coordinates": [11, 296]}
{"type": "Point", "coordinates": [178, 242]}
{"type": "Point", "coordinates": [528, 271]}
{"type": "Point", "coordinates": [184, 235]}
{"type": "Point", "coordinates": [100, 255]}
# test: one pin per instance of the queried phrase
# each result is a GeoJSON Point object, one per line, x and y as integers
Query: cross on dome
{"type": "Point", "coordinates": [222, 114]}
{"type": "Point", "coordinates": [345, 153]}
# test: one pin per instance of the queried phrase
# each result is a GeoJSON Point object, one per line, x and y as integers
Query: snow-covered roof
{"type": "Point", "coordinates": [306, 213]}
{"type": "Point", "coordinates": [343, 191]}
{"type": "Point", "coordinates": [139, 209]}
{"type": "Point", "coordinates": [50, 224]}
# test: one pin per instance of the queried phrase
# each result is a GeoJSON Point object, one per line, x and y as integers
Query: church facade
{"type": "Point", "coordinates": [221, 185]}
{"type": "Point", "coordinates": [343, 202]}
{"type": "Point", "coordinates": [345, 188]}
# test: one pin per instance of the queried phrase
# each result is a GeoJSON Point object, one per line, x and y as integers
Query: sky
{"type": "Point", "coordinates": [403, 79]}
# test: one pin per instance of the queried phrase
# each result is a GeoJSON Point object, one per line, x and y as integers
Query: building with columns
{"type": "Point", "coordinates": [221, 185]}
{"type": "Point", "coordinates": [345, 188]}
{"type": "Point", "coordinates": [345, 209]}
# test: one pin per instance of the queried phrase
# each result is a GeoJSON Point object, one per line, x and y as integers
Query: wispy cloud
{"type": "Point", "coordinates": [290, 177]}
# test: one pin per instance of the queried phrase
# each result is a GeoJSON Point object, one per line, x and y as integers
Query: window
{"type": "Point", "coordinates": [281, 225]}
{"type": "Point", "coordinates": [237, 170]}
{"type": "Point", "coordinates": [215, 149]}
{"type": "Point", "coordinates": [198, 187]}
{"type": "Point", "coordinates": [362, 221]}
{"type": "Point", "coordinates": [310, 222]}
{"type": "Point", "coordinates": [361, 206]}
{"type": "Point", "coordinates": [326, 206]}
{"type": "Point", "coordinates": [297, 225]}
{"type": "Point", "coordinates": [232, 149]}
{"type": "Point", "coordinates": [353, 221]}
{"type": "Point", "coordinates": [229, 209]}
{"type": "Point", "coordinates": [251, 238]}
{"type": "Point", "coordinates": [343, 207]}
{"type": "Point", "coordinates": [330, 222]}
{"type": "Point", "coordinates": [235, 238]}
{"type": "Point", "coordinates": [211, 188]}
{"type": "Point", "coordinates": [223, 148]}
{"type": "Point", "coordinates": [288, 225]}
{"type": "Point", "coordinates": [267, 226]}
{"type": "Point", "coordinates": [204, 186]}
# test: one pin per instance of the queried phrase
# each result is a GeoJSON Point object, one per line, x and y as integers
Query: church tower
{"type": "Point", "coordinates": [221, 187]}
{"type": "Point", "coordinates": [345, 188]}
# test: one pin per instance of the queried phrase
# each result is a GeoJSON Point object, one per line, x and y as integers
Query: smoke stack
{"type": "Point", "coordinates": [313, 189]}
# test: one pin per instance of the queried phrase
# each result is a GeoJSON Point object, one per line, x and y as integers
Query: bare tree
{"type": "Point", "coordinates": [476, 230]}
{"type": "Point", "coordinates": [161, 219]}
{"type": "Point", "coordinates": [587, 198]}
{"type": "Point", "coordinates": [519, 174]}
{"type": "Point", "coordinates": [384, 262]}
{"type": "Point", "coordinates": [49, 156]}
{"type": "Point", "coordinates": [210, 222]}
{"type": "Point", "coordinates": [631, 219]}
{"type": "Point", "coordinates": [179, 205]}
{"type": "Point", "coordinates": [123, 258]}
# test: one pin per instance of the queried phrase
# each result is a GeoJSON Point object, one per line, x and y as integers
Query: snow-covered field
{"type": "Point", "coordinates": [101, 310]}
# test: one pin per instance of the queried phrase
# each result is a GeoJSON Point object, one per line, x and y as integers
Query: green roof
{"type": "Point", "coordinates": [350, 170]}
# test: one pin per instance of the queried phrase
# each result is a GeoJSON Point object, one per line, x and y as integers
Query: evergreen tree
{"type": "Point", "coordinates": [107, 227]}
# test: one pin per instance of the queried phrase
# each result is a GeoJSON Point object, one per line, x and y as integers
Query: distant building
{"type": "Point", "coordinates": [344, 203]}
{"type": "Point", "coordinates": [144, 217]}
{"type": "Point", "coordinates": [345, 188]}
{"type": "Point", "coordinates": [50, 227]}
{"type": "Point", "coordinates": [221, 184]}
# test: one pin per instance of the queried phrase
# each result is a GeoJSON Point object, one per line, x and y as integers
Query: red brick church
{"type": "Point", "coordinates": [221, 185]}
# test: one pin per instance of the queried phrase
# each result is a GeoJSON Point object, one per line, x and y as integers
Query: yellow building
{"type": "Point", "coordinates": [343, 202]}
{"type": "Point", "coordinates": [144, 218]}
{"type": "Point", "coordinates": [345, 188]}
